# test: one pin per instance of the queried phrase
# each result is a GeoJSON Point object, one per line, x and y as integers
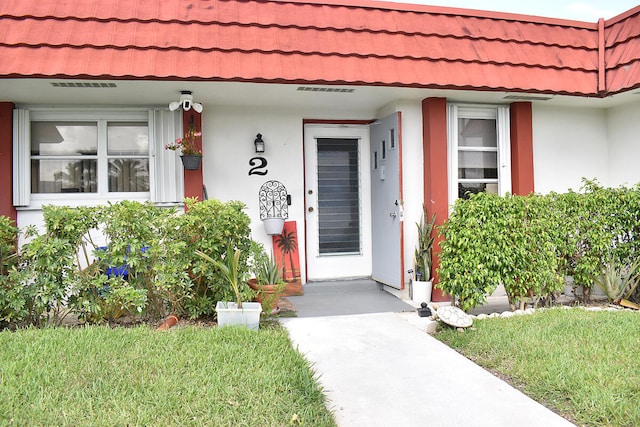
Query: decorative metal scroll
{"type": "Point", "coordinates": [273, 200]}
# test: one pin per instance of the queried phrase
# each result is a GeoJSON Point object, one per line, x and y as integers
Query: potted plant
{"type": "Point", "coordinates": [191, 154]}
{"type": "Point", "coordinates": [268, 282]}
{"type": "Point", "coordinates": [421, 281]}
{"type": "Point", "coordinates": [238, 312]}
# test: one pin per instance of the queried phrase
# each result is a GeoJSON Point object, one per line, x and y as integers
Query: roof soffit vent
{"type": "Point", "coordinates": [528, 97]}
{"type": "Point", "coordinates": [326, 89]}
{"type": "Point", "coordinates": [85, 85]}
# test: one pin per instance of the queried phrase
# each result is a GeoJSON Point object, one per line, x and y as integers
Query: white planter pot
{"type": "Point", "coordinates": [421, 291]}
{"type": "Point", "coordinates": [273, 226]}
{"type": "Point", "coordinates": [229, 314]}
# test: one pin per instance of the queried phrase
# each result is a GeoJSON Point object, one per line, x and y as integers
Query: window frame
{"type": "Point", "coordinates": [102, 120]}
{"type": "Point", "coordinates": [166, 184]}
{"type": "Point", "coordinates": [499, 113]}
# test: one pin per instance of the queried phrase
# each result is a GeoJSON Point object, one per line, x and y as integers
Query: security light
{"type": "Point", "coordinates": [186, 102]}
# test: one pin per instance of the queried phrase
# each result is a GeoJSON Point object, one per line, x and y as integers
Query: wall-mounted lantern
{"type": "Point", "coordinates": [274, 208]}
{"type": "Point", "coordinates": [259, 143]}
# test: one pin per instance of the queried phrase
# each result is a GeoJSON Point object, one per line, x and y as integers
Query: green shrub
{"type": "Point", "coordinates": [210, 227]}
{"type": "Point", "coordinates": [142, 237]}
{"type": "Point", "coordinates": [598, 225]}
{"type": "Point", "coordinates": [491, 240]}
{"type": "Point", "coordinates": [63, 270]}
{"type": "Point", "coordinates": [14, 298]}
{"type": "Point", "coordinates": [529, 243]}
{"type": "Point", "coordinates": [53, 262]}
{"type": "Point", "coordinates": [8, 245]}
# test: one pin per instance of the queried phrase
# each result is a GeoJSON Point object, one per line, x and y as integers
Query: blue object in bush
{"type": "Point", "coordinates": [121, 271]}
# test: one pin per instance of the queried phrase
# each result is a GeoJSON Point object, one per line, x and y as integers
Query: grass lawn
{"type": "Point", "coordinates": [97, 376]}
{"type": "Point", "coordinates": [579, 363]}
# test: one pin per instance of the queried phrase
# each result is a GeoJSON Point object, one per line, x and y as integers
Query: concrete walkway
{"type": "Point", "coordinates": [380, 369]}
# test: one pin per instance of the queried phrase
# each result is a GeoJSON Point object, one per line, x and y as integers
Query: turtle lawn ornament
{"type": "Point", "coordinates": [455, 317]}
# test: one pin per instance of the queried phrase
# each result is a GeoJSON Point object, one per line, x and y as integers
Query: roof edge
{"type": "Point", "coordinates": [624, 15]}
{"type": "Point", "coordinates": [445, 10]}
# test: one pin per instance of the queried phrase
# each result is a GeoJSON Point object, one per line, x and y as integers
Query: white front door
{"type": "Point", "coordinates": [386, 201]}
{"type": "Point", "coordinates": [337, 201]}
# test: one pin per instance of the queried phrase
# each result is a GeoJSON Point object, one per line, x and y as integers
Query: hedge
{"type": "Point", "coordinates": [531, 243]}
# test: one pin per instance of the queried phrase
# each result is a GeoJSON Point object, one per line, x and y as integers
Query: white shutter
{"type": "Point", "coordinates": [21, 158]}
{"type": "Point", "coordinates": [504, 151]}
{"type": "Point", "coordinates": [452, 152]}
{"type": "Point", "coordinates": [167, 183]}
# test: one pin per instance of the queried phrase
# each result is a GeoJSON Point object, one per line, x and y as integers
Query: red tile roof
{"type": "Point", "coordinates": [622, 51]}
{"type": "Point", "coordinates": [368, 43]}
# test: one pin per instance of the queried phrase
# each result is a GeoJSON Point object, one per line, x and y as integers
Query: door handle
{"type": "Point", "coordinates": [310, 209]}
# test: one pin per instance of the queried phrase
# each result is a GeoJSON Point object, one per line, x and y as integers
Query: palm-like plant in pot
{"type": "Point", "coordinates": [238, 312]}
{"type": "Point", "coordinates": [268, 282]}
{"type": "Point", "coordinates": [421, 283]}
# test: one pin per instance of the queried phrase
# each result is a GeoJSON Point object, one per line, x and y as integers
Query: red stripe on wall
{"type": "Point", "coordinates": [401, 193]}
{"type": "Point", "coordinates": [6, 160]}
{"type": "Point", "coordinates": [522, 179]}
{"type": "Point", "coordinates": [193, 182]}
{"type": "Point", "coordinates": [436, 194]}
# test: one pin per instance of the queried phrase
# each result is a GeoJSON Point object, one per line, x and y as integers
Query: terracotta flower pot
{"type": "Point", "coordinates": [167, 324]}
{"type": "Point", "coordinates": [264, 291]}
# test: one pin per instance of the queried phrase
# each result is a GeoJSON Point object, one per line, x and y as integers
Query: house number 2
{"type": "Point", "coordinates": [259, 166]}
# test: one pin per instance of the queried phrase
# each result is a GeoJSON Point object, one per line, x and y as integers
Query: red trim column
{"type": "Point", "coordinates": [6, 160]}
{"type": "Point", "coordinates": [522, 181]}
{"type": "Point", "coordinates": [436, 188]}
{"type": "Point", "coordinates": [193, 182]}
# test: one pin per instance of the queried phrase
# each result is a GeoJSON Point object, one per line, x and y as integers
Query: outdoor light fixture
{"type": "Point", "coordinates": [259, 143]}
{"type": "Point", "coordinates": [186, 102]}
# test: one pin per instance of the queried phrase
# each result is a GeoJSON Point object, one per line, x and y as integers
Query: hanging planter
{"type": "Point", "coordinates": [274, 207]}
{"type": "Point", "coordinates": [273, 226]}
{"type": "Point", "coordinates": [191, 162]}
{"type": "Point", "coordinates": [190, 147]}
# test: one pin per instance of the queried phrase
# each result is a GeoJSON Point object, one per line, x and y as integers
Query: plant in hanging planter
{"type": "Point", "coordinates": [189, 147]}
{"type": "Point", "coordinates": [188, 144]}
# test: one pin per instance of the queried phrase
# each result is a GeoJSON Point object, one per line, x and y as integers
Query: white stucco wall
{"type": "Point", "coordinates": [228, 135]}
{"type": "Point", "coordinates": [569, 144]}
{"type": "Point", "coordinates": [624, 144]}
{"type": "Point", "coordinates": [228, 146]}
